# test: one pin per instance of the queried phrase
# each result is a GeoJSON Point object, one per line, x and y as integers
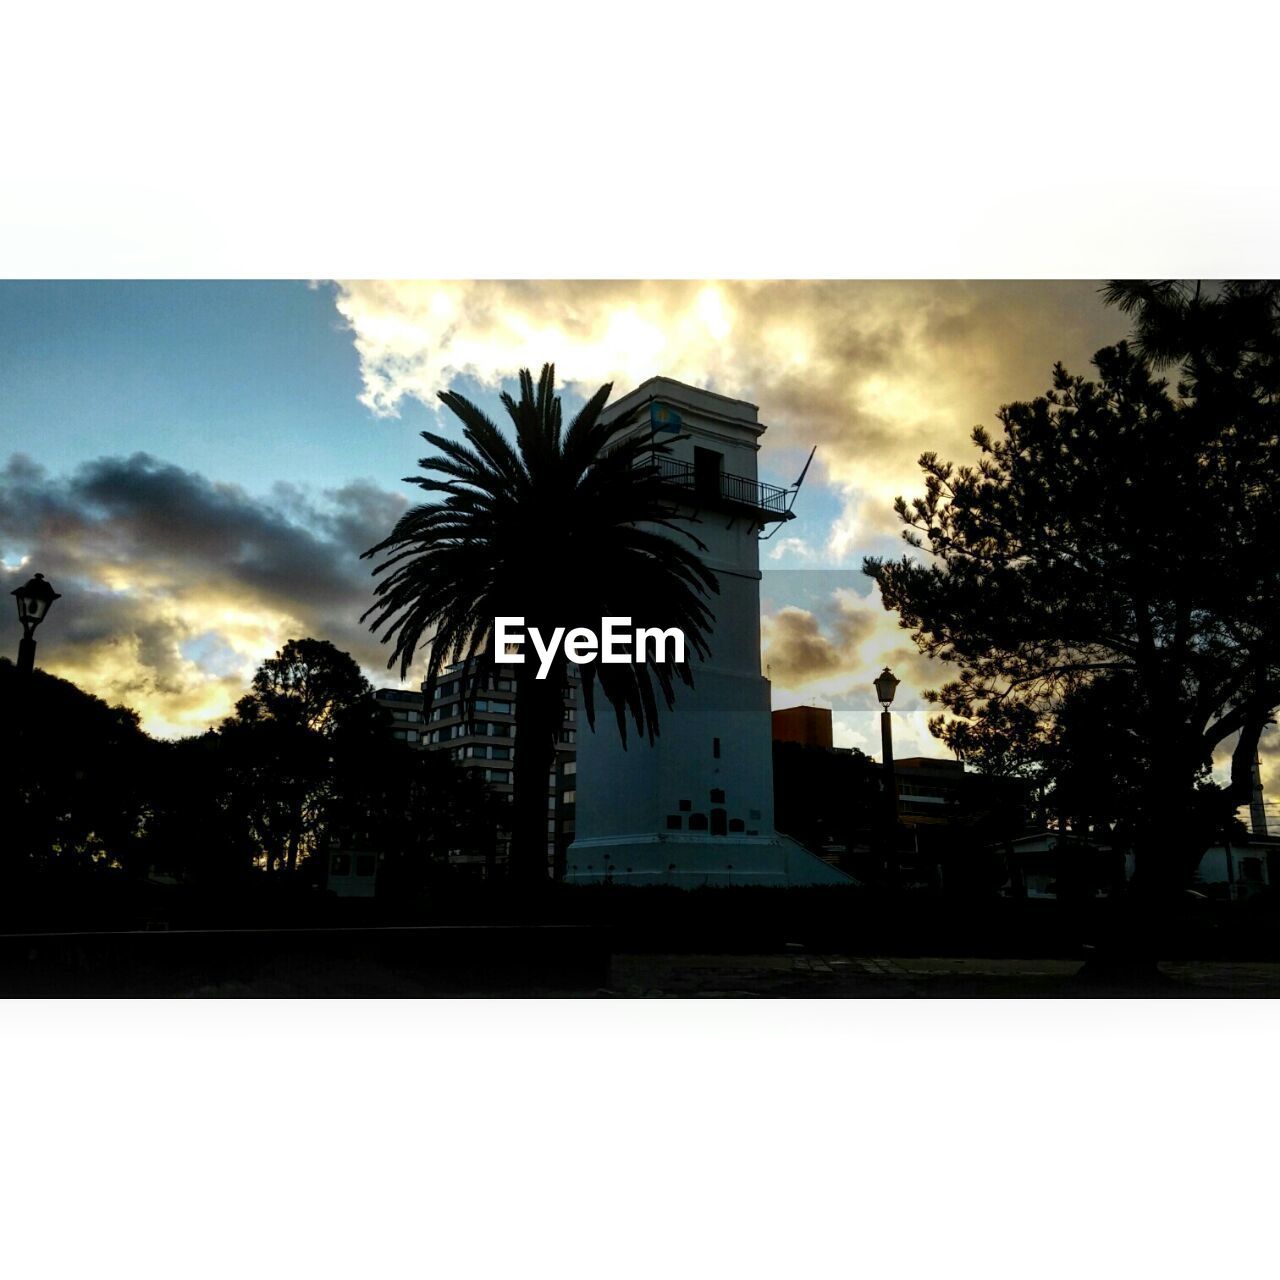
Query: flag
{"type": "Point", "coordinates": [661, 418]}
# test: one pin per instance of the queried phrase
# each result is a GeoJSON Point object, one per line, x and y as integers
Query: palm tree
{"type": "Point", "coordinates": [562, 529]}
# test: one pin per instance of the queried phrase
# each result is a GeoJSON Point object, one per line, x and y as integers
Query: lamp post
{"type": "Point", "coordinates": [886, 685]}
{"type": "Point", "coordinates": [34, 598]}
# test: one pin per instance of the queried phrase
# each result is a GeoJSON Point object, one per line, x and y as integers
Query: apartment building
{"type": "Point", "coordinates": [482, 739]}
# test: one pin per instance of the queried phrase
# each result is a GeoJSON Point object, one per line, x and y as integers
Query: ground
{"type": "Point", "coordinates": [790, 976]}
{"type": "Point", "coordinates": [835, 976]}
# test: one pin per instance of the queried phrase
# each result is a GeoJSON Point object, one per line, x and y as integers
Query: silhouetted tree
{"type": "Point", "coordinates": [309, 713]}
{"type": "Point", "coordinates": [419, 811]}
{"type": "Point", "coordinates": [1002, 738]}
{"type": "Point", "coordinates": [198, 824]}
{"type": "Point", "coordinates": [562, 529]}
{"type": "Point", "coordinates": [73, 790]}
{"type": "Point", "coordinates": [1116, 531]}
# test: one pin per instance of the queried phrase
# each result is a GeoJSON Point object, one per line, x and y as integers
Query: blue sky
{"type": "Point", "coordinates": [245, 382]}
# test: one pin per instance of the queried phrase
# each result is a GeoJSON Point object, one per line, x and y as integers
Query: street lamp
{"type": "Point", "coordinates": [886, 685]}
{"type": "Point", "coordinates": [34, 598]}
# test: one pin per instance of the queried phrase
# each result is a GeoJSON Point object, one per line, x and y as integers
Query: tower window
{"type": "Point", "coordinates": [715, 747]}
{"type": "Point", "coordinates": [719, 822]}
{"type": "Point", "coordinates": [737, 824]}
{"type": "Point", "coordinates": [717, 796]}
{"type": "Point", "coordinates": [686, 805]}
{"type": "Point", "coordinates": [697, 822]}
{"type": "Point", "coordinates": [675, 822]}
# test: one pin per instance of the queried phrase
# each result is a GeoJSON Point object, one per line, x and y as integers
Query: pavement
{"type": "Point", "coordinates": [789, 975]}
{"type": "Point", "coordinates": [806, 976]}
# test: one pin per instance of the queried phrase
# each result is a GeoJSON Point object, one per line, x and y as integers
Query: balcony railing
{"type": "Point", "coordinates": [740, 490]}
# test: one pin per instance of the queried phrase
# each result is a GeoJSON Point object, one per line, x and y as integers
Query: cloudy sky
{"type": "Point", "coordinates": [196, 467]}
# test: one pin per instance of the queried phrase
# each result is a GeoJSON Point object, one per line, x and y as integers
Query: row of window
{"type": "Point", "coordinates": [719, 823]}
{"type": "Point", "coordinates": [717, 797]}
{"type": "Point", "coordinates": [481, 729]}
{"type": "Point", "coordinates": [450, 687]}
{"type": "Point", "coordinates": [492, 775]}
{"type": "Point", "coordinates": [481, 753]}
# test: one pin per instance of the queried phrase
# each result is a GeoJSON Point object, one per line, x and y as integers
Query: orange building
{"type": "Point", "coordinates": [809, 726]}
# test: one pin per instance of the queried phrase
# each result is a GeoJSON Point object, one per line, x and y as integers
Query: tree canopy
{"type": "Point", "coordinates": [1121, 535]}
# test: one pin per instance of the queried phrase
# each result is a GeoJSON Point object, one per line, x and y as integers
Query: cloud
{"type": "Point", "coordinates": [175, 587]}
{"type": "Point", "coordinates": [873, 373]}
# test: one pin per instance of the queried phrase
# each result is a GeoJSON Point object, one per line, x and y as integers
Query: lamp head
{"type": "Point", "coordinates": [886, 684]}
{"type": "Point", "coordinates": [34, 598]}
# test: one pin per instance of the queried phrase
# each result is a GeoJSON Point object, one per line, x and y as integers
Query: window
{"type": "Point", "coordinates": [570, 768]}
{"type": "Point", "coordinates": [569, 797]}
{"type": "Point", "coordinates": [500, 708]}
{"type": "Point", "coordinates": [686, 805]}
{"type": "Point", "coordinates": [717, 796]}
{"type": "Point", "coordinates": [719, 822]}
{"type": "Point", "coordinates": [697, 822]}
{"type": "Point", "coordinates": [366, 864]}
{"type": "Point", "coordinates": [737, 824]}
{"type": "Point", "coordinates": [412, 735]}
{"type": "Point", "coordinates": [715, 748]}
{"type": "Point", "coordinates": [674, 822]}
{"type": "Point", "coordinates": [500, 753]}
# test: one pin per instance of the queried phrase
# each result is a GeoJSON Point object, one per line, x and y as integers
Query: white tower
{"type": "Point", "coordinates": [696, 807]}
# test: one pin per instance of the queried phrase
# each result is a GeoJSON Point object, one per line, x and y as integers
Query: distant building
{"type": "Point", "coordinates": [483, 742]}
{"type": "Point", "coordinates": [405, 707]}
{"type": "Point", "coordinates": [931, 791]}
{"type": "Point", "coordinates": [1054, 864]}
{"type": "Point", "coordinates": [1237, 871]}
{"type": "Point", "coordinates": [808, 726]}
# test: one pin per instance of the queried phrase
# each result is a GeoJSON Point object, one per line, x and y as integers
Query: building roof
{"type": "Point", "coordinates": [741, 413]}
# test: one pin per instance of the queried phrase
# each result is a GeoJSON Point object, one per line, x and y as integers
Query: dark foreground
{"type": "Point", "coordinates": [909, 977]}
{"type": "Point", "coordinates": [104, 936]}
{"type": "Point", "coordinates": [554, 962]}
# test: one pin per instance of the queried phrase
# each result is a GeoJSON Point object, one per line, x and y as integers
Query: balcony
{"type": "Point", "coordinates": [767, 501]}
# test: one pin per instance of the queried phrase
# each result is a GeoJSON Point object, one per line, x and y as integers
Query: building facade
{"type": "Point", "coordinates": [696, 806]}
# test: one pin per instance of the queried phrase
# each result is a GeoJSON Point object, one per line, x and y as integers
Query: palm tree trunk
{"type": "Point", "coordinates": [538, 714]}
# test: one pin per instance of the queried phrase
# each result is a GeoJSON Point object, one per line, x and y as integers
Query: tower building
{"type": "Point", "coordinates": [696, 806]}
